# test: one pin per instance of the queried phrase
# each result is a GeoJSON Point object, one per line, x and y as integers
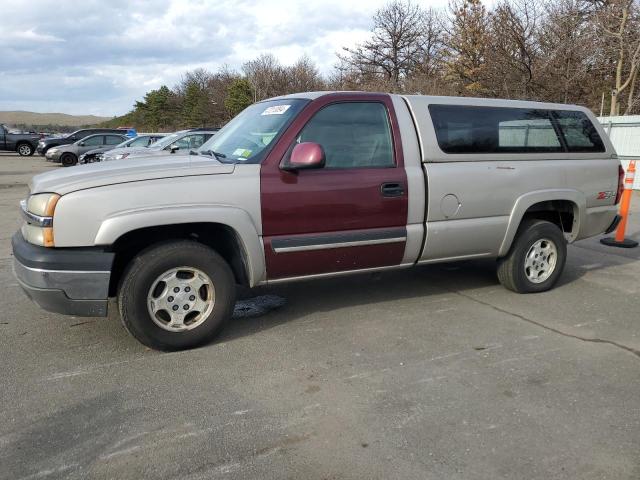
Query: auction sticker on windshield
{"type": "Point", "coordinates": [241, 152]}
{"type": "Point", "coordinates": [275, 110]}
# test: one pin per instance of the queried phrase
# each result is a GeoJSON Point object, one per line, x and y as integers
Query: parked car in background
{"type": "Point", "coordinates": [144, 140]}
{"type": "Point", "coordinates": [183, 141]}
{"type": "Point", "coordinates": [46, 143]}
{"type": "Point", "coordinates": [68, 155]}
{"type": "Point", "coordinates": [317, 185]}
{"type": "Point", "coordinates": [23, 143]}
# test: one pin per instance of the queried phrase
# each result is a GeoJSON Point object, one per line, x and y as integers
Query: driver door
{"type": "Point", "coordinates": [352, 213]}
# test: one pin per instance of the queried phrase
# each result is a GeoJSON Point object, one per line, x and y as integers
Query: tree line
{"type": "Point", "coordinates": [569, 51]}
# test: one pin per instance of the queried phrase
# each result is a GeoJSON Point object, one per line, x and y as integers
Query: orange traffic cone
{"type": "Point", "coordinates": [625, 202]}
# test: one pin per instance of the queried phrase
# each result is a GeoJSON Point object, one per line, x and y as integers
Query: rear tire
{"type": "Point", "coordinates": [24, 149]}
{"type": "Point", "coordinates": [155, 293]}
{"type": "Point", "coordinates": [68, 159]}
{"type": "Point", "coordinates": [536, 258]}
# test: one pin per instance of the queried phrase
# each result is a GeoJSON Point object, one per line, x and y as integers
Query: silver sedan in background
{"type": "Point", "coordinates": [68, 155]}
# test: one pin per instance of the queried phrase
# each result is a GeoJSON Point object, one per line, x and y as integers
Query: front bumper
{"type": "Point", "coordinates": [93, 158]}
{"type": "Point", "coordinates": [52, 157]}
{"type": "Point", "coordinates": [71, 281]}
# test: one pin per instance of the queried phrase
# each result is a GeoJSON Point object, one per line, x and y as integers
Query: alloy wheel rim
{"type": "Point", "coordinates": [24, 149]}
{"type": "Point", "coordinates": [181, 299]}
{"type": "Point", "coordinates": [540, 260]}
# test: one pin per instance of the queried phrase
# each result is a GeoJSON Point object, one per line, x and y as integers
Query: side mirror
{"type": "Point", "coordinates": [174, 148]}
{"type": "Point", "coordinates": [81, 144]}
{"type": "Point", "coordinates": [305, 156]}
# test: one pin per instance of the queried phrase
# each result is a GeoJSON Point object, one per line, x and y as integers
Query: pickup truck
{"type": "Point", "coordinates": [317, 185]}
{"type": "Point", "coordinates": [23, 143]}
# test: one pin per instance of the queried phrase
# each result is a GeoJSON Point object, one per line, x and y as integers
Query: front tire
{"type": "Point", "coordinates": [24, 150]}
{"type": "Point", "coordinates": [68, 159]}
{"type": "Point", "coordinates": [176, 295]}
{"type": "Point", "coordinates": [536, 259]}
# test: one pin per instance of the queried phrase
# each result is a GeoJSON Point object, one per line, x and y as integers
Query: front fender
{"type": "Point", "coordinates": [524, 202]}
{"type": "Point", "coordinates": [113, 227]}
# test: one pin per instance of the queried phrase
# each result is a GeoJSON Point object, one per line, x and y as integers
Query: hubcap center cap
{"type": "Point", "coordinates": [540, 260]}
{"type": "Point", "coordinates": [181, 299]}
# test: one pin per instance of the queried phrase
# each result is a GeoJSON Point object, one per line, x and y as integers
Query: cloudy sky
{"type": "Point", "coordinates": [98, 57]}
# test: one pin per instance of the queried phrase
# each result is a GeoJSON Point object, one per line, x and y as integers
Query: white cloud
{"type": "Point", "coordinates": [99, 57]}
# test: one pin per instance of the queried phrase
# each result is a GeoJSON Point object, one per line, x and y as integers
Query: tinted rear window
{"type": "Point", "coordinates": [579, 132]}
{"type": "Point", "coordinates": [468, 129]}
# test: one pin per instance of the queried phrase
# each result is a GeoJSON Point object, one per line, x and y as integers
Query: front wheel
{"type": "Point", "coordinates": [68, 160]}
{"type": "Point", "coordinates": [25, 150]}
{"type": "Point", "coordinates": [177, 295]}
{"type": "Point", "coordinates": [536, 259]}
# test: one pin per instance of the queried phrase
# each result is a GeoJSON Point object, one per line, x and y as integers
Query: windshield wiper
{"type": "Point", "coordinates": [211, 153]}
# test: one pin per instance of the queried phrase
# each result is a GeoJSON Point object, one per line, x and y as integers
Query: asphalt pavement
{"type": "Point", "coordinates": [435, 372]}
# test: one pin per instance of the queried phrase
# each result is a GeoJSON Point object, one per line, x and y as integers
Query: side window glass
{"type": "Point", "coordinates": [471, 129]}
{"type": "Point", "coordinates": [530, 134]}
{"type": "Point", "coordinates": [190, 142]}
{"type": "Point", "coordinates": [140, 142]}
{"type": "Point", "coordinates": [94, 141]}
{"type": "Point", "coordinates": [579, 132]}
{"type": "Point", "coordinates": [352, 134]}
{"type": "Point", "coordinates": [113, 140]}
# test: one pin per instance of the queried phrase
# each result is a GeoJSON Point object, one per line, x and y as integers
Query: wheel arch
{"type": "Point", "coordinates": [565, 208]}
{"type": "Point", "coordinates": [227, 230]}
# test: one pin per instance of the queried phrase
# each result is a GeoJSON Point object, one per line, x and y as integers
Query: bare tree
{"type": "Point", "coordinates": [467, 43]}
{"type": "Point", "coordinates": [267, 76]}
{"type": "Point", "coordinates": [514, 48]}
{"type": "Point", "coordinates": [396, 48]}
{"type": "Point", "coordinates": [618, 21]}
{"type": "Point", "coordinates": [567, 60]}
{"type": "Point", "coordinates": [303, 76]}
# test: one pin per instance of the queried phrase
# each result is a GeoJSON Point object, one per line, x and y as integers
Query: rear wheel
{"type": "Point", "coordinates": [25, 149]}
{"type": "Point", "coordinates": [68, 159]}
{"type": "Point", "coordinates": [176, 295]}
{"type": "Point", "coordinates": [536, 259]}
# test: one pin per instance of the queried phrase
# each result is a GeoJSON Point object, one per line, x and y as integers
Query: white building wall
{"type": "Point", "coordinates": [624, 132]}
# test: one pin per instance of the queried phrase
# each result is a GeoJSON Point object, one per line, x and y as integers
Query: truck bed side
{"type": "Point", "coordinates": [475, 202]}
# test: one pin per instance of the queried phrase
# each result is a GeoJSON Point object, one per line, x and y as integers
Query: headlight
{"type": "Point", "coordinates": [38, 212]}
{"type": "Point", "coordinates": [42, 204]}
{"type": "Point", "coordinates": [52, 150]}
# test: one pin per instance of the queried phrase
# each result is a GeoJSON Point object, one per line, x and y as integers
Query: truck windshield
{"type": "Point", "coordinates": [245, 138]}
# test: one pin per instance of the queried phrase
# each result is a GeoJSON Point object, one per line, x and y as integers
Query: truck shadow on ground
{"type": "Point", "coordinates": [263, 308]}
{"type": "Point", "coordinates": [296, 300]}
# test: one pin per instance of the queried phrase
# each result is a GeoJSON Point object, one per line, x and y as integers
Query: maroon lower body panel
{"type": "Point", "coordinates": [295, 264]}
{"type": "Point", "coordinates": [318, 254]}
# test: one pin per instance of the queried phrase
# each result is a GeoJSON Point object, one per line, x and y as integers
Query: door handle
{"type": "Point", "coordinates": [391, 190]}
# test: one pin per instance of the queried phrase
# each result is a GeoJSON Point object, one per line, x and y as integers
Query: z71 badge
{"type": "Point", "coordinates": [606, 195]}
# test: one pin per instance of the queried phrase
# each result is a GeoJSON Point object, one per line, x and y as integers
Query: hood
{"type": "Point", "coordinates": [81, 177]}
{"type": "Point", "coordinates": [144, 151]}
{"type": "Point", "coordinates": [98, 150]}
{"type": "Point", "coordinates": [67, 147]}
{"type": "Point", "coordinates": [129, 150]}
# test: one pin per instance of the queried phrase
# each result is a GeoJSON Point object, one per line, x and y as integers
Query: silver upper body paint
{"type": "Point", "coordinates": [460, 206]}
{"type": "Point", "coordinates": [493, 191]}
{"type": "Point", "coordinates": [101, 202]}
{"type": "Point", "coordinates": [92, 175]}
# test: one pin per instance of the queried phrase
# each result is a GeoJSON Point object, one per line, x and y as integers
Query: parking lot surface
{"type": "Point", "coordinates": [431, 373]}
